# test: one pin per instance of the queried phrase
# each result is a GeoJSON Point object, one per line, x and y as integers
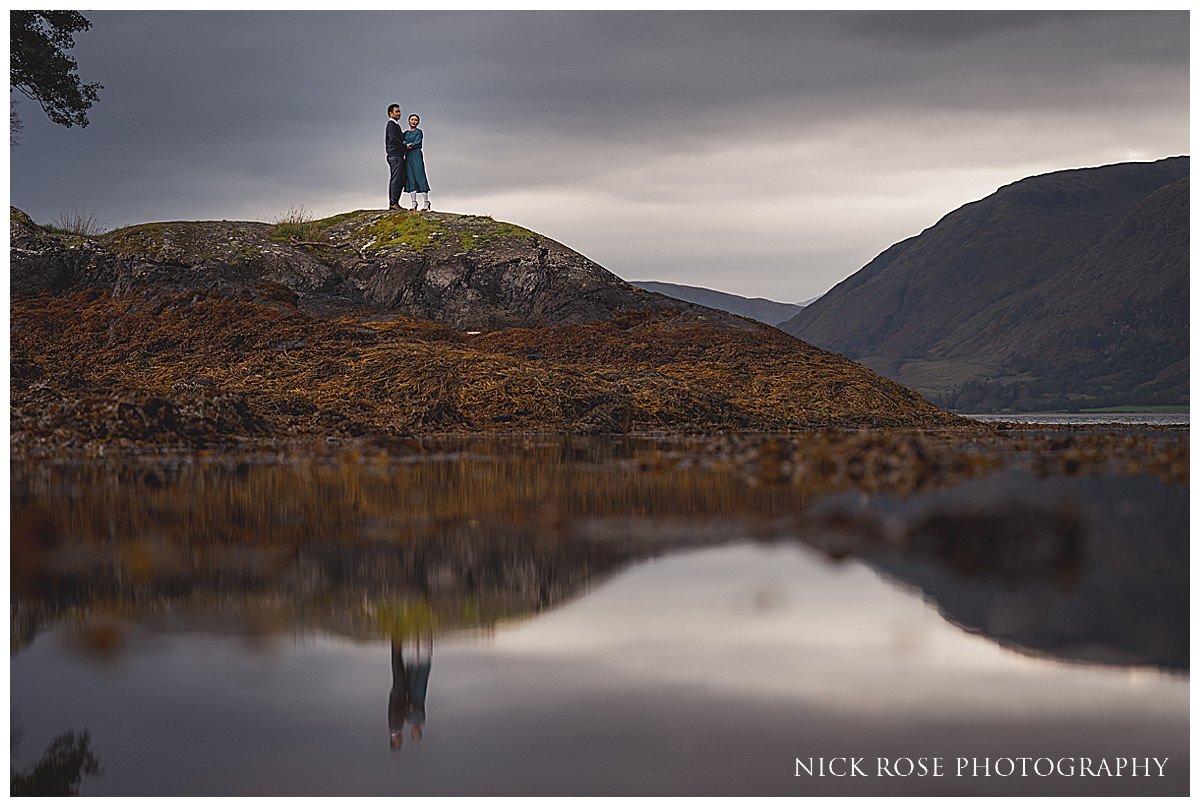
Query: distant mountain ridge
{"type": "Point", "coordinates": [1060, 290]}
{"type": "Point", "coordinates": [759, 308]}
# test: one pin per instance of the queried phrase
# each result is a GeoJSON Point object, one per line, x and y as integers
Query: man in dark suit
{"type": "Point", "coordinates": [395, 157]}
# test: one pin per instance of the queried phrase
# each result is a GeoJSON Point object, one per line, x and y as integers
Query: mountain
{"type": "Point", "coordinates": [387, 324]}
{"type": "Point", "coordinates": [1067, 289]}
{"type": "Point", "coordinates": [758, 308]}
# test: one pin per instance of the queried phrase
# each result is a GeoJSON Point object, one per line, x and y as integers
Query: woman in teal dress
{"type": "Point", "coordinates": [414, 164]}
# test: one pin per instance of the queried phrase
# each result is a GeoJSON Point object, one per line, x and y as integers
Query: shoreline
{"type": "Point", "coordinates": [869, 460]}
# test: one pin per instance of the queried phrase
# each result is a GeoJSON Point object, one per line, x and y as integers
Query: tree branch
{"type": "Point", "coordinates": [343, 245]}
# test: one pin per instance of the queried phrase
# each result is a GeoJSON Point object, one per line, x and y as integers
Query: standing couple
{"type": "Point", "coordinates": [405, 161]}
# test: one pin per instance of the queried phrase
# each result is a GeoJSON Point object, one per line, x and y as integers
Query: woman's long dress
{"type": "Point", "coordinates": [414, 163]}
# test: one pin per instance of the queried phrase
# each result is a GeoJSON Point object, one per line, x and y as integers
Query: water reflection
{"type": "Point", "coordinates": [606, 622]}
{"type": "Point", "coordinates": [1090, 569]}
{"type": "Point", "coordinates": [1082, 567]}
{"type": "Point", "coordinates": [701, 672]}
{"type": "Point", "coordinates": [410, 685]}
{"type": "Point", "coordinates": [60, 769]}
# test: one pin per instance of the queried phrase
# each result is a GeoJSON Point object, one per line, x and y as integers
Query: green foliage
{"type": "Point", "coordinates": [296, 213]}
{"type": "Point", "coordinates": [415, 231]}
{"type": "Point", "coordinates": [296, 224]}
{"type": "Point", "coordinates": [41, 69]}
{"type": "Point", "coordinates": [333, 221]}
{"type": "Point", "coordinates": [479, 230]}
{"type": "Point", "coordinates": [137, 240]}
{"type": "Point", "coordinates": [299, 230]}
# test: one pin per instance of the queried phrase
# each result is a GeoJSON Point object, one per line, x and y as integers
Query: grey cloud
{"type": "Point", "coordinates": [949, 29]}
{"type": "Point", "coordinates": [572, 118]}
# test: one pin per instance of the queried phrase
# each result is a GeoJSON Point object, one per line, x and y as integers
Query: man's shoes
{"type": "Point", "coordinates": [395, 207]}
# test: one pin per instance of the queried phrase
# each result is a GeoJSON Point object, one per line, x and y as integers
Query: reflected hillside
{"type": "Point", "coordinates": [366, 540]}
{"type": "Point", "coordinates": [386, 542]}
{"type": "Point", "coordinates": [1090, 569]}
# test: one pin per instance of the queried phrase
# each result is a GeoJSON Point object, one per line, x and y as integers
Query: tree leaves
{"type": "Point", "coordinates": [42, 70]}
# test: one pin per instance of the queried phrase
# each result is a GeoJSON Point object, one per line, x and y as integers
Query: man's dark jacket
{"type": "Point", "coordinates": [394, 140]}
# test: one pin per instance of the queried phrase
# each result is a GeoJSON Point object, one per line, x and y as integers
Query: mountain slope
{"type": "Point", "coordinates": [758, 308]}
{"type": "Point", "coordinates": [1065, 288]}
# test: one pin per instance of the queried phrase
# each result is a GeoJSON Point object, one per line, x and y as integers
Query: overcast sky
{"type": "Point", "coordinates": [764, 154]}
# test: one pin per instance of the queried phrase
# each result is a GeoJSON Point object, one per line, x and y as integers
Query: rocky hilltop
{"type": "Point", "coordinates": [469, 272]}
{"type": "Point", "coordinates": [1060, 290]}
{"type": "Point", "coordinates": [375, 323]}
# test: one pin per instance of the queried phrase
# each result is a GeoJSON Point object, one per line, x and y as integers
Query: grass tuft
{"type": "Point", "coordinates": [77, 222]}
{"type": "Point", "coordinates": [297, 223]}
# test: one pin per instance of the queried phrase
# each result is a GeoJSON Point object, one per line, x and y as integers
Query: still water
{"type": "Point", "coordinates": [1162, 419]}
{"type": "Point", "coordinates": [581, 617]}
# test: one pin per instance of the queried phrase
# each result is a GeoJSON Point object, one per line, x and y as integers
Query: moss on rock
{"type": "Point", "coordinates": [416, 232]}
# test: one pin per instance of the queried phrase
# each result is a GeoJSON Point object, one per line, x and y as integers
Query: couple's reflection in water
{"type": "Point", "coordinates": [411, 662]}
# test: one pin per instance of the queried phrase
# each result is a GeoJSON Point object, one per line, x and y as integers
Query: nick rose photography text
{"type": "Point", "coordinates": [981, 766]}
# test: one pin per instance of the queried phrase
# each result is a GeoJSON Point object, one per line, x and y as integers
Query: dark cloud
{"type": "Point", "coordinates": [947, 29]}
{"type": "Point", "coordinates": [664, 144]}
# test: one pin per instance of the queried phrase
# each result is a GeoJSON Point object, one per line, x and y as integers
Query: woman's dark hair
{"type": "Point", "coordinates": [391, 107]}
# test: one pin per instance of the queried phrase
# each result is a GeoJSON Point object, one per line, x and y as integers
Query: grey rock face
{"type": "Point", "coordinates": [39, 261]}
{"type": "Point", "coordinates": [469, 272]}
{"type": "Point", "coordinates": [513, 279]}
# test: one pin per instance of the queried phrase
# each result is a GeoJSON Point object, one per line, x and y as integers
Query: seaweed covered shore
{"type": "Point", "coordinates": [218, 334]}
